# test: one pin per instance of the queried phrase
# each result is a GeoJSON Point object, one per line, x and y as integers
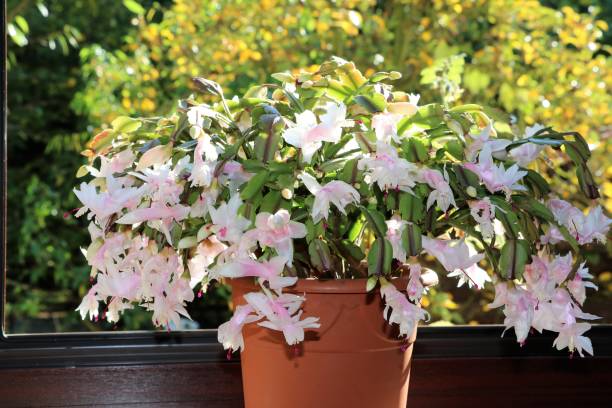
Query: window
{"type": "Point", "coordinates": [51, 99]}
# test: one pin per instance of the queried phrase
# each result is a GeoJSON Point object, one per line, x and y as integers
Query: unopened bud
{"type": "Point", "coordinates": [471, 191]}
{"type": "Point", "coordinates": [307, 84]}
{"type": "Point", "coordinates": [287, 194]}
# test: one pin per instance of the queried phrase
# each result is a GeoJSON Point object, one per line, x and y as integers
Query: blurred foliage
{"type": "Point", "coordinates": [542, 61]}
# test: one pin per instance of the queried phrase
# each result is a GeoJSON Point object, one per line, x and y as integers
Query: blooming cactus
{"type": "Point", "coordinates": [329, 174]}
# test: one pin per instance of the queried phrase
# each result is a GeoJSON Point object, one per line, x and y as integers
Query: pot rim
{"type": "Point", "coordinates": [312, 285]}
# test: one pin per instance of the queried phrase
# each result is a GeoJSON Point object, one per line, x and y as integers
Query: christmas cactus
{"type": "Point", "coordinates": [327, 174]}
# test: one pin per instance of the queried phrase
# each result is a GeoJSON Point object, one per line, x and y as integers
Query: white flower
{"type": "Point", "coordinates": [577, 286]}
{"type": "Point", "coordinates": [308, 135]}
{"type": "Point", "coordinates": [395, 228]}
{"type": "Point", "coordinates": [496, 178]}
{"type": "Point", "coordinates": [526, 153]}
{"type": "Point", "coordinates": [269, 271]}
{"type": "Point", "coordinates": [571, 336]}
{"type": "Point", "coordinates": [103, 204]}
{"type": "Point", "coordinates": [442, 193]}
{"type": "Point", "coordinates": [399, 310]}
{"type": "Point", "coordinates": [227, 224]}
{"type": "Point", "coordinates": [89, 305]}
{"type": "Point", "coordinates": [483, 212]}
{"type": "Point", "coordinates": [278, 231]}
{"type": "Point", "coordinates": [206, 253]}
{"type": "Point", "coordinates": [280, 314]}
{"type": "Point", "coordinates": [459, 259]}
{"type": "Point", "coordinates": [336, 192]}
{"type": "Point", "coordinates": [203, 170]}
{"type": "Point", "coordinates": [385, 126]}
{"type": "Point", "coordinates": [388, 170]}
{"type": "Point", "coordinates": [230, 333]}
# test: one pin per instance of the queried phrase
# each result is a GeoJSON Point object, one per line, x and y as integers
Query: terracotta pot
{"type": "Point", "coordinates": [354, 360]}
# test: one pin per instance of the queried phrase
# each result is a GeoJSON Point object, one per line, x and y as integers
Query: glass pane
{"type": "Point", "coordinates": [75, 65]}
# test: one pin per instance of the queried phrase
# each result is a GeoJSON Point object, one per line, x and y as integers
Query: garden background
{"type": "Point", "coordinates": [75, 65]}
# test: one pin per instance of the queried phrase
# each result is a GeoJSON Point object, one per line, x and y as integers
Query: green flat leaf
{"type": "Point", "coordinates": [124, 124]}
{"type": "Point", "coordinates": [514, 256]}
{"type": "Point", "coordinates": [374, 103]}
{"type": "Point", "coordinates": [320, 256]}
{"type": "Point", "coordinates": [411, 240]}
{"type": "Point", "coordinates": [379, 257]}
{"type": "Point", "coordinates": [411, 207]}
{"type": "Point", "coordinates": [254, 185]}
{"type": "Point", "coordinates": [376, 221]}
{"type": "Point", "coordinates": [415, 150]}
{"type": "Point", "coordinates": [134, 7]}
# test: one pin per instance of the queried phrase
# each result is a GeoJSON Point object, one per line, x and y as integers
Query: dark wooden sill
{"type": "Point", "coordinates": [450, 382]}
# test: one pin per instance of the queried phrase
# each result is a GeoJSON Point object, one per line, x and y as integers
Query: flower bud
{"type": "Point", "coordinates": [471, 191]}
{"type": "Point", "coordinates": [287, 194]}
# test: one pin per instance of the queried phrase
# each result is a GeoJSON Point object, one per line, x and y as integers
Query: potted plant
{"type": "Point", "coordinates": [322, 198]}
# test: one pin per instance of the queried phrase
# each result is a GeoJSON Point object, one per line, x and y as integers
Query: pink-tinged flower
{"type": "Point", "coordinates": [519, 310]}
{"type": "Point", "coordinates": [595, 227]}
{"type": "Point", "coordinates": [115, 307]}
{"type": "Point", "coordinates": [388, 170]}
{"type": "Point", "coordinates": [501, 295]}
{"type": "Point", "coordinates": [571, 337]}
{"type": "Point", "coordinates": [203, 170]}
{"type": "Point", "coordinates": [459, 259]}
{"type": "Point", "coordinates": [116, 164]}
{"type": "Point", "coordinates": [308, 135]}
{"type": "Point", "coordinates": [102, 254]}
{"type": "Point", "coordinates": [163, 183]}
{"type": "Point", "coordinates": [336, 192]}
{"type": "Point", "coordinates": [559, 310]}
{"type": "Point", "coordinates": [577, 286]}
{"type": "Point", "coordinates": [197, 116]}
{"type": "Point", "coordinates": [234, 176]}
{"type": "Point", "coordinates": [415, 287]}
{"type": "Point", "coordinates": [280, 314]}
{"type": "Point", "coordinates": [125, 285]}
{"type": "Point", "coordinates": [230, 333]}
{"type": "Point", "coordinates": [585, 228]}
{"type": "Point", "coordinates": [265, 270]}
{"type": "Point", "coordinates": [385, 126]}
{"type": "Point", "coordinates": [205, 201]}
{"type": "Point", "coordinates": [472, 275]}
{"type": "Point", "coordinates": [178, 213]}
{"type": "Point", "coordinates": [227, 224]}
{"type": "Point", "coordinates": [497, 146]}
{"type": "Point", "coordinates": [103, 204]}
{"type": "Point", "coordinates": [205, 255]}
{"type": "Point", "coordinates": [171, 294]}
{"type": "Point", "coordinates": [398, 309]}
{"type": "Point", "coordinates": [89, 305]}
{"type": "Point", "coordinates": [442, 193]}
{"type": "Point", "coordinates": [268, 305]}
{"type": "Point", "coordinates": [483, 213]}
{"type": "Point", "coordinates": [526, 153]}
{"type": "Point", "coordinates": [542, 275]}
{"type": "Point", "coordinates": [496, 178]}
{"type": "Point", "coordinates": [278, 231]}
{"type": "Point", "coordinates": [395, 228]}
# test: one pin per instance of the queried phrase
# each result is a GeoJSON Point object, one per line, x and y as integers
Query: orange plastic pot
{"type": "Point", "coordinates": [354, 359]}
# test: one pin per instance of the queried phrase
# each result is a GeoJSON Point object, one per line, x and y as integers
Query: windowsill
{"type": "Point", "coordinates": [135, 348]}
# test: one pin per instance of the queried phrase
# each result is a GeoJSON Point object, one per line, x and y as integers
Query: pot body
{"type": "Point", "coordinates": [354, 359]}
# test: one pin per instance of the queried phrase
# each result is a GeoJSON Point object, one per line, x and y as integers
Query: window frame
{"type": "Point", "coordinates": [157, 347]}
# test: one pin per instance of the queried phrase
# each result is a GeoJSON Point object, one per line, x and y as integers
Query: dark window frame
{"type": "Point", "coordinates": [126, 348]}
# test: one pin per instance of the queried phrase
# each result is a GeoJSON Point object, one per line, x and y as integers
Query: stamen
{"type": "Point", "coordinates": [229, 354]}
